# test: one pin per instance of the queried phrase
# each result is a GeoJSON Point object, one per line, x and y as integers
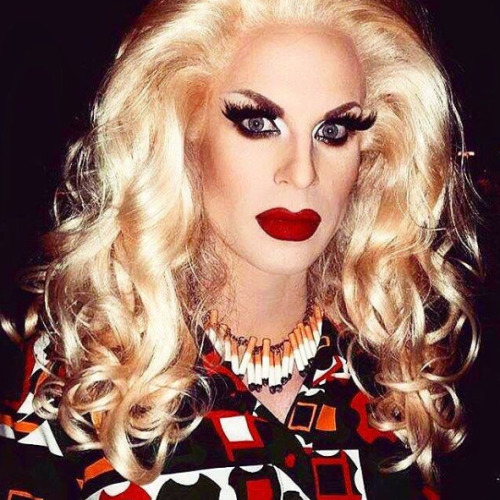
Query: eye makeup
{"type": "Point", "coordinates": [251, 118]}
{"type": "Point", "coordinates": [262, 101]}
{"type": "Point", "coordinates": [338, 128]}
{"type": "Point", "coordinates": [256, 120]}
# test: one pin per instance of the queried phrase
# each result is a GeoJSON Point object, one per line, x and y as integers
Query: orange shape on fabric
{"type": "Point", "coordinates": [18, 425]}
{"type": "Point", "coordinates": [302, 425]}
{"type": "Point", "coordinates": [327, 419]}
{"type": "Point", "coordinates": [96, 469]}
{"type": "Point", "coordinates": [24, 494]}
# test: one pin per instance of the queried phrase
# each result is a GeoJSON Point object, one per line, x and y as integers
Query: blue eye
{"type": "Point", "coordinates": [258, 124]}
{"type": "Point", "coordinates": [332, 133]}
{"type": "Point", "coordinates": [259, 120]}
{"type": "Point", "coordinates": [253, 121]}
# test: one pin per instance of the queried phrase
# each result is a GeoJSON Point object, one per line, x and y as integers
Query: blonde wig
{"type": "Point", "coordinates": [131, 266]}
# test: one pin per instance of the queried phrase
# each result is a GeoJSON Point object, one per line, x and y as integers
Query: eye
{"type": "Point", "coordinates": [259, 124]}
{"type": "Point", "coordinates": [253, 121]}
{"type": "Point", "coordinates": [332, 133]}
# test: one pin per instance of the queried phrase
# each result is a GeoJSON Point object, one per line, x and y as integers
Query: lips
{"type": "Point", "coordinates": [281, 224]}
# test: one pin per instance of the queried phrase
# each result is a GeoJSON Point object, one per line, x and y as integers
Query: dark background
{"type": "Point", "coordinates": [54, 55]}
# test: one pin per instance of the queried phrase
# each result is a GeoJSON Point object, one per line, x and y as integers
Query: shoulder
{"type": "Point", "coordinates": [18, 420]}
{"type": "Point", "coordinates": [33, 465]}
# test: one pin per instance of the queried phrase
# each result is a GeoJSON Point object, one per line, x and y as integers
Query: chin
{"type": "Point", "coordinates": [283, 262]}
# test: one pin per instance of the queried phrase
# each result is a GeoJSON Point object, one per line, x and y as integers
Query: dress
{"type": "Point", "coordinates": [324, 450]}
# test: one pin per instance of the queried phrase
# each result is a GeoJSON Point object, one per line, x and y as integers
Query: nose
{"type": "Point", "coordinates": [297, 166]}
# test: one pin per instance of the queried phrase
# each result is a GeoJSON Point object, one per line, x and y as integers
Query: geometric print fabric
{"type": "Point", "coordinates": [324, 450]}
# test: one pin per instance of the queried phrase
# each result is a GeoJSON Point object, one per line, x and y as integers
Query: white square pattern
{"type": "Point", "coordinates": [236, 428]}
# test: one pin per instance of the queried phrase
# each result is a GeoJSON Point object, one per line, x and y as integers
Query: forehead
{"type": "Point", "coordinates": [284, 63]}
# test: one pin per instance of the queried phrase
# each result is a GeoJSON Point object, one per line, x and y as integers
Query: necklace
{"type": "Point", "coordinates": [267, 364]}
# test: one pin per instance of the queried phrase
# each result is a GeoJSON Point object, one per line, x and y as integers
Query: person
{"type": "Point", "coordinates": [258, 283]}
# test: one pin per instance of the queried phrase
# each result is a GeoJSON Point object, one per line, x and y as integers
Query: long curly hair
{"type": "Point", "coordinates": [131, 264]}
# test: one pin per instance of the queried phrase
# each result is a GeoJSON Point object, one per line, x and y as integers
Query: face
{"type": "Point", "coordinates": [282, 147]}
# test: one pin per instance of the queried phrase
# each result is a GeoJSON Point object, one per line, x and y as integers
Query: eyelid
{"type": "Point", "coordinates": [352, 122]}
{"type": "Point", "coordinates": [239, 111]}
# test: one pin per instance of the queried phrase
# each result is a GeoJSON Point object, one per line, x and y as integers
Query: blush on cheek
{"type": "Point", "coordinates": [352, 170]}
{"type": "Point", "coordinates": [214, 183]}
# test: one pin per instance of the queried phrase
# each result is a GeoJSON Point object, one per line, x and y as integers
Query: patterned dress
{"type": "Point", "coordinates": [324, 450]}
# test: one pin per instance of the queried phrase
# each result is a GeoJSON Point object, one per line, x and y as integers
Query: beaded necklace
{"type": "Point", "coordinates": [267, 364]}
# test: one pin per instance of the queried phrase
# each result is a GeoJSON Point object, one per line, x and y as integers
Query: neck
{"type": "Point", "coordinates": [262, 304]}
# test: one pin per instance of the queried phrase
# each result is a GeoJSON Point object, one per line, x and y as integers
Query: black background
{"type": "Point", "coordinates": [53, 56]}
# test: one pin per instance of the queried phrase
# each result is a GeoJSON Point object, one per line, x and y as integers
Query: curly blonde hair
{"type": "Point", "coordinates": [131, 264]}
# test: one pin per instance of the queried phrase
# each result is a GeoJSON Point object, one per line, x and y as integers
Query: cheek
{"type": "Point", "coordinates": [342, 175]}
{"type": "Point", "coordinates": [217, 178]}
{"type": "Point", "coordinates": [236, 169]}
{"type": "Point", "coordinates": [223, 160]}
{"type": "Point", "coordinates": [226, 179]}
{"type": "Point", "coordinates": [348, 180]}
{"type": "Point", "coordinates": [338, 188]}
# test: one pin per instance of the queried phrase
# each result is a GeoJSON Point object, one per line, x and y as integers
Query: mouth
{"type": "Point", "coordinates": [281, 224]}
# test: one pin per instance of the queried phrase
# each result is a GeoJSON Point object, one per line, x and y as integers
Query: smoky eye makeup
{"type": "Point", "coordinates": [256, 120]}
{"type": "Point", "coordinates": [336, 131]}
{"type": "Point", "coordinates": [252, 120]}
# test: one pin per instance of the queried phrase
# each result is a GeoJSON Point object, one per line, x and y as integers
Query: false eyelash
{"type": "Point", "coordinates": [353, 121]}
{"type": "Point", "coordinates": [237, 112]}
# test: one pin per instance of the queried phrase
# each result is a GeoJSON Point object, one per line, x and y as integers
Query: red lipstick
{"type": "Point", "coordinates": [282, 224]}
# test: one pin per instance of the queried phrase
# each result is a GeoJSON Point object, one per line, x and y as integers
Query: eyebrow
{"type": "Point", "coordinates": [261, 100]}
{"type": "Point", "coordinates": [280, 112]}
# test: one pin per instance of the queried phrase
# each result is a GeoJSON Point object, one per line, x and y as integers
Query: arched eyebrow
{"type": "Point", "coordinates": [262, 101]}
{"type": "Point", "coordinates": [340, 110]}
{"type": "Point", "coordinates": [277, 110]}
